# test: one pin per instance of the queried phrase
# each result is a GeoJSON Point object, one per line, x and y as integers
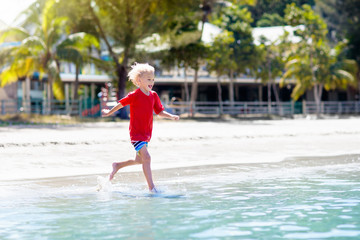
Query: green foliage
{"type": "Point", "coordinates": [237, 20]}
{"type": "Point", "coordinates": [268, 20]}
{"type": "Point", "coordinates": [121, 25]}
{"type": "Point", "coordinates": [313, 64]}
{"type": "Point", "coordinates": [351, 27]}
{"type": "Point", "coordinates": [34, 54]}
{"type": "Point", "coordinates": [262, 8]}
{"type": "Point", "coordinates": [221, 57]}
{"type": "Point", "coordinates": [271, 62]}
{"type": "Point", "coordinates": [75, 48]}
{"type": "Point", "coordinates": [186, 56]}
{"type": "Point", "coordinates": [315, 28]}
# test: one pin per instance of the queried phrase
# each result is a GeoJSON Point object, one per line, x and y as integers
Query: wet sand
{"type": "Point", "coordinates": [37, 152]}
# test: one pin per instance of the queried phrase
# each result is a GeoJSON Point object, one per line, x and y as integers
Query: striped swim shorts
{"type": "Point", "coordinates": [139, 144]}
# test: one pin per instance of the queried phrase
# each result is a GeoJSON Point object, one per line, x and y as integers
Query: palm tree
{"type": "Point", "coordinates": [75, 49]}
{"type": "Point", "coordinates": [37, 50]}
{"type": "Point", "coordinates": [42, 49]}
{"type": "Point", "coordinates": [314, 64]}
{"type": "Point", "coordinates": [17, 65]}
{"type": "Point", "coordinates": [328, 71]}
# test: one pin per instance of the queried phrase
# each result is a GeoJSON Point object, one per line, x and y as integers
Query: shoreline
{"type": "Point", "coordinates": [178, 175]}
{"type": "Point", "coordinates": [41, 152]}
{"type": "Point", "coordinates": [28, 120]}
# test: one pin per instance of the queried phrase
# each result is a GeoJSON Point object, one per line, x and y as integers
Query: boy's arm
{"type": "Point", "coordinates": [107, 112]}
{"type": "Point", "coordinates": [165, 114]}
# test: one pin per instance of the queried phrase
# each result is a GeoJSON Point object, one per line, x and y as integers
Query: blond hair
{"type": "Point", "coordinates": [137, 70]}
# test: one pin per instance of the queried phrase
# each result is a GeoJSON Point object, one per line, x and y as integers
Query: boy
{"type": "Point", "coordinates": [143, 101]}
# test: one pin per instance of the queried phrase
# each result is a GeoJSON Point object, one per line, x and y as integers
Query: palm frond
{"type": "Point", "coordinates": [55, 30]}
{"type": "Point", "coordinates": [14, 33]}
{"type": "Point", "coordinates": [47, 16]}
{"type": "Point", "coordinates": [7, 76]}
{"type": "Point", "coordinates": [54, 77]}
{"type": "Point", "coordinates": [345, 74]}
{"type": "Point", "coordinates": [83, 40]}
{"type": "Point", "coordinates": [58, 89]}
{"type": "Point", "coordinates": [6, 55]}
{"type": "Point", "coordinates": [34, 43]}
{"type": "Point", "coordinates": [298, 91]}
{"type": "Point", "coordinates": [292, 62]}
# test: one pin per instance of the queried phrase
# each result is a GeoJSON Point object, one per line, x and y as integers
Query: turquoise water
{"type": "Point", "coordinates": [309, 198]}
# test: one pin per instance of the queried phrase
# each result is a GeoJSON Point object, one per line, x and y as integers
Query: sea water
{"type": "Point", "coordinates": [304, 198]}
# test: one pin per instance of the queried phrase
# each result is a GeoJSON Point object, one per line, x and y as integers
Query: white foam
{"type": "Point", "coordinates": [103, 185]}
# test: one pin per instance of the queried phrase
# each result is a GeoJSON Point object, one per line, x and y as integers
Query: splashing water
{"type": "Point", "coordinates": [103, 184]}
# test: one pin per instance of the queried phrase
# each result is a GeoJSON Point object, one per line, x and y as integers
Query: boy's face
{"type": "Point", "coordinates": [146, 81]}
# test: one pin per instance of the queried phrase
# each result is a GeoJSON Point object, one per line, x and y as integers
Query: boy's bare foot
{"type": "Point", "coordinates": [116, 167]}
{"type": "Point", "coordinates": [154, 191]}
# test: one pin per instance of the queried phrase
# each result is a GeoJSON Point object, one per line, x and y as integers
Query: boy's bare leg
{"type": "Point", "coordinates": [117, 165]}
{"type": "Point", "coordinates": [146, 162]}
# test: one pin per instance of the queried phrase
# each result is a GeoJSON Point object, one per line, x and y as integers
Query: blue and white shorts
{"type": "Point", "coordinates": [139, 144]}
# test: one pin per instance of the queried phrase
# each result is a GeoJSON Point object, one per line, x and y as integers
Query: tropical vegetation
{"type": "Point", "coordinates": [110, 34]}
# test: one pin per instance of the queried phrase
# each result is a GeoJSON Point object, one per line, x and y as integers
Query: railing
{"type": "Point", "coordinates": [235, 108]}
{"type": "Point", "coordinates": [281, 108]}
{"type": "Point", "coordinates": [83, 108]}
{"type": "Point", "coordinates": [92, 108]}
{"type": "Point", "coordinates": [333, 107]}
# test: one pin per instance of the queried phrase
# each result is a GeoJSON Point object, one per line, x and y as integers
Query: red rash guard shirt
{"type": "Point", "coordinates": [141, 113]}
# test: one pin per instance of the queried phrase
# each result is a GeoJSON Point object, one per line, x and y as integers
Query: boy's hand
{"type": "Point", "coordinates": [168, 115]}
{"type": "Point", "coordinates": [105, 112]}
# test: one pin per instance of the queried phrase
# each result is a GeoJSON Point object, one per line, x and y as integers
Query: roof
{"type": "Point", "coordinates": [274, 33]}
{"type": "Point", "coordinates": [164, 80]}
{"type": "Point", "coordinates": [210, 32]}
{"type": "Point", "coordinates": [154, 42]}
{"type": "Point", "coordinates": [271, 33]}
{"type": "Point", "coordinates": [85, 78]}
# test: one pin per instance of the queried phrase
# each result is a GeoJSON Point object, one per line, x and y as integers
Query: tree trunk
{"type": "Point", "coordinates": [75, 94]}
{"type": "Point", "coordinates": [76, 87]}
{"type": "Point", "coordinates": [49, 96]}
{"type": "Point", "coordinates": [276, 92]}
{"type": "Point", "coordinates": [219, 95]}
{"type": "Point", "coordinates": [272, 81]}
{"type": "Point", "coordinates": [358, 81]}
{"type": "Point", "coordinates": [186, 85]}
{"type": "Point", "coordinates": [317, 92]}
{"type": "Point", "coordinates": [26, 97]}
{"type": "Point", "coordinates": [269, 96]}
{"type": "Point", "coordinates": [269, 84]}
{"type": "Point", "coordinates": [231, 88]}
{"type": "Point", "coordinates": [194, 90]}
{"type": "Point", "coordinates": [122, 75]}
{"type": "Point", "coordinates": [317, 96]}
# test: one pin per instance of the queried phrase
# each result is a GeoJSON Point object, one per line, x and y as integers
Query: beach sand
{"type": "Point", "coordinates": [36, 152]}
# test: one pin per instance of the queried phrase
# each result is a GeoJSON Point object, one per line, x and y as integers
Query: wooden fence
{"type": "Point", "coordinates": [92, 108]}
{"type": "Point", "coordinates": [282, 108]}
{"type": "Point", "coordinates": [82, 108]}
